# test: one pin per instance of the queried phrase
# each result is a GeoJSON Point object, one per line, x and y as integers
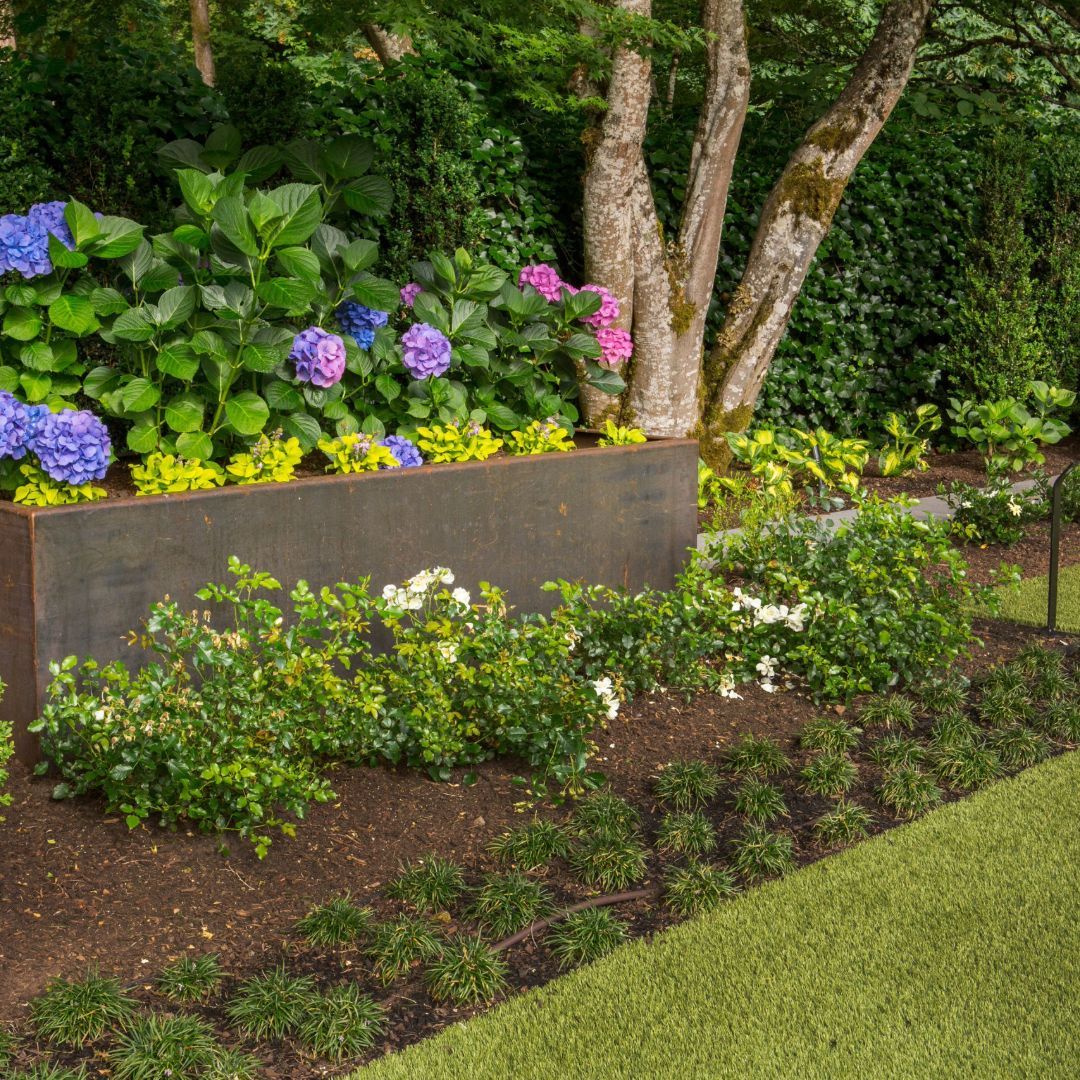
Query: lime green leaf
{"type": "Point", "coordinates": [22, 324]}
{"type": "Point", "coordinates": [73, 313]}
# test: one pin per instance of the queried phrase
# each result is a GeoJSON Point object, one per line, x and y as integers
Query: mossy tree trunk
{"type": "Point", "coordinates": [796, 218]}
{"type": "Point", "coordinates": [663, 285]}
{"type": "Point", "coordinates": [388, 47]}
{"type": "Point", "coordinates": [200, 37]}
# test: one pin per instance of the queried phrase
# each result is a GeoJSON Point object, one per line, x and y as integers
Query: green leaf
{"type": "Point", "coordinates": [9, 379]}
{"type": "Point", "coordinates": [119, 237]}
{"type": "Point", "coordinates": [360, 255]}
{"type": "Point", "coordinates": [283, 396]}
{"type": "Point", "coordinates": [193, 236]}
{"type": "Point", "coordinates": [143, 438]}
{"type": "Point", "coordinates": [303, 427]}
{"type": "Point", "coordinates": [24, 295]}
{"type": "Point", "coordinates": [247, 413]}
{"type": "Point", "coordinates": [61, 257]}
{"type": "Point", "coordinates": [82, 223]}
{"type": "Point", "coordinates": [503, 418]}
{"type": "Point", "coordinates": [207, 343]}
{"type": "Point", "coordinates": [108, 302]}
{"type": "Point", "coordinates": [36, 387]}
{"type": "Point", "coordinates": [371, 195]}
{"type": "Point", "coordinates": [179, 361]}
{"type": "Point", "coordinates": [262, 358]}
{"type": "Point", "coordinates": [99, 381]}
{"type": "Point", "coordinates": [304, 159]}
{"type": "Point", "coordinates": [301, 212]}
{"type": "Point", "coordinates": [222, 147]}
{"type": "Point", "coordinates": [376, 293]}
{"type": "Point", "coordinates": [176, 305]}
{"type": "Point", "coordinates": [183, 153]}
{"type": "Point", "coordinates": [184, 413]}
{"type": "Point", "coordinates": [139, 395]}
{"type": "Point", "coordinates": [348, 156]}
{"type": "Point", "coordinates": [299, 262]}
{"type": "Point", "coordinates": [604, 379]}
{"type": "Point", "coordinates": [138, 263]}
{"type": "Point", "coordinates": [37, 356]}
{"type": "Point", "coordinates": [22, 324]}
{"type": "Point", "coordinates": [428, 308]}
{"type": "Point", "coordinates": [231, 217]}
{"type": "Point", "coordinates": [260, 163]}
{"type": "Point", "coordinates": [197, 190]}
{"type": "Point", "coordinates": [132, 325]}
{"type": "Point", "coordinates": [73, 313]}
{"type": "Point", "coordinates": [388, 386]}
{"type": "Point", "coordinates": [292, 294]}
{"type": "Point", "coordinates": [195, 446]}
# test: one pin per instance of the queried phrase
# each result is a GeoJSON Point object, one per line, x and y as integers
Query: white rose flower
{"type": "Point", "coordinates": [766, 666]}
{"type": "Point", "coordinates": [461, 596]}
{"type": "Point", "coordinates": [389, 593]}
{"type": "Point", "coordinates": [445, 576]}
{"type": "Point", "coordinates": [448, 650]}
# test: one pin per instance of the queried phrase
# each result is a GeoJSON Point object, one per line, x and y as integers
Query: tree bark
{"type": "Point", "coordinates": [663, 285]}
{"type": "Point", "coordinates": [389, 48]}
{"type": "Point", "coordinates": [795, 219]}
{"type": "Point", "coordinates": [200, 36]}
{"type": "Point", "coordinates": [7, 26]}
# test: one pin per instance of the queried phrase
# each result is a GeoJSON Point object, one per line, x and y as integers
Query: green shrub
{"type": "Point", "coordinates": [76, 1013]}
{"type": "Point", "coordinates": [687, 785]}
{"type": "Point", "coordinates": [585, 936]}
{"type": "Point", "coordinates": [466, 972]}
{"type": "Point", "coordinates": [272, 1005]}
{"type": "Point", "coordinates": [191, 979]}
{"type": "Point", "coordinates": [506, 903]}
{"type": "Point", "coordinates": [340, 1023]}
{"type": "Point", "coordinates": [337, 922]}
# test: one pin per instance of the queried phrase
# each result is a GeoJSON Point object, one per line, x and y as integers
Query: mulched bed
{"type": "Point", "coordinates": [78, 889]}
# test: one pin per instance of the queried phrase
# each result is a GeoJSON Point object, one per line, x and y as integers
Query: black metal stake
{"type": "Point", "coordinates": [1055, 541]}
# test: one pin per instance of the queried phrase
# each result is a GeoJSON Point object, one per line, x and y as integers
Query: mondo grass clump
{"type": "Point", "coordinates": [531, 847]}
{"type": "Point", "coordinates": [610, 864]}
{"type": "Point", "coordinates": [953, 729]}
{"type": "Point", "coordinates": [271, 1005]}
{"type": "Point", "coordinates": [606, 815]}
{"type": "Point", "coordinates": [399, 945]}
{"type": "Point", "coordinates": [1004, 677]}
{"type": "Point", "coordinates": [76, 1013]}
{"type": "Point", "coordinates": [908, 791]}
{"type": "Point", "coordinates": [751, 755]}
{"type": "Point", "coordinates": [1019, 747]}
{"type": "Point", "coordinates": [829, 774]}
{"type": "Point", "coordinates": [889, 711]}
{"type": "Point", "coordinates": [687, 785]}
{"type": "Point", "coordinates": [338, 922]}
{"type": "Point", "coordinates": [155, 1047]}
{"type": "Point", "coordinates": [686, 834]}
{"type": "Point", "coordinates": [1033, 659]}
{"type": "Point", "coordinates": [697, 887]}
{"type": "Point", "coordinates": [760, 853]}
{"type": "Point", "coordinates": [943, 695]}
{"type": "Point", "coordinates": [585, 936]}
{"type": "Point", "coordinates": [895, 749]}
{"type": "Point", "coordinates": [1062, 719]}
{"type": "Point", "coordinates": [967, 764]}
{"type": "Point", "coordinates": [831, 734]}
{"type": "Point", "coordinates": [341, 1023]}
{"type": "Point", "coordinates": [1002, 705]}
{"type": "Point", "coordinates": [843, 825]}
{"type": "Point", "coordinates": [758, 801]}
{"type": "Point", "coordinates": [430, 884]}
{"type": "Point", "coordinates": [190, 979]}
{"type": "Point", "coordinates": [506, 903]}
{"type": "Point", "coordinates": [48, 1072]}
{"type": "Point", "coordinates": [466, 972]}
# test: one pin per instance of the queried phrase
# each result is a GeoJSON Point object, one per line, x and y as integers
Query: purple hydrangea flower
{"type": "Point", "coordinates": [50, 216]}
{"type": "Point", "coordinates": [16, 428]}
{"type": "Point", "coordinates": [425, 351]}
{"type": "Point", "coordinates": [410, 292]}
{"type": "Point", "coordinates": [544, 279]}
{"type": "Point", "coordinates": [616, 346]}
{"type": "Point", "coordinates": [73, 447]}
{"type": "Point", "coordinates": [24, 246]}
{"type": "Point", "coordinates": [608, 311]}
{"type": "Point", "coordinates": [360, 322]}
{"type": "Point", "coordinates": [319, 357]}
{"type": "Point", "coordinates": [405, 450]}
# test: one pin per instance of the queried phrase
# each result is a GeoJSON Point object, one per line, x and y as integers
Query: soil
{"type": "Point", "coordinates": [79, 890]}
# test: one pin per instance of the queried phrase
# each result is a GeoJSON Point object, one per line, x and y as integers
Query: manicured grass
{"type": "Point", "coordinates": [946, 948]}
{"type": "Point", "coordinates": [1028, 605]}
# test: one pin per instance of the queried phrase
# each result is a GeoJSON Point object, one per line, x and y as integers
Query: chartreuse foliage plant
{"type": "Point", "coordinates": [905, 451]}
{"type": "Point", "coordinates": [833, 462]}
{"type": "Point", "coordinates": [161, 474]}
{"type": "Point", "coordinates": [540, 437]}
{"type": "Point", "coordinates": [780, 966]}
{"type": "Point", "coordinates": [74, 1013]}
{"type": "Point", "coordinates": [37, 488]}
{"type": "Point", "coordinates": [191, 978]}
{"type": "Point", "coordinates": [615, 435]}
{"type": "Point", "coordinates": [469, 442]}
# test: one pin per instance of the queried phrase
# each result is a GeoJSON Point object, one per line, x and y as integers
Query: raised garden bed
{"type": "Point", "coordinates": [77, 579]}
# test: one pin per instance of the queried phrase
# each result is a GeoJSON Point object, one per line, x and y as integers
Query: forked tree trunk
{"type": "Point", "coordinates": [200, 37]}
{"type": "Point", "coordinates": [663, 285]}
{"type": "Point", "coordinates": [389, 48]}
{"type": "Point", "coordinates": [796, 218]}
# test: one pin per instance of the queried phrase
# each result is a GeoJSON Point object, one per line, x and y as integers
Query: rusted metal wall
{"type": "Point", "coordinates": [618, 516]}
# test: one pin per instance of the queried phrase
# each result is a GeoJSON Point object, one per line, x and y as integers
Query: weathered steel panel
{"type": "Point", "coordinates": [19, 702]}
{"type": "Point", "coordinates": [620, 516]}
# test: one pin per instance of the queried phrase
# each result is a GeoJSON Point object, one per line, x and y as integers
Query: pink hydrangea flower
{"type": "Point", "coordinates": [608, 311]}
{"type": "Point", "coordinates": [616, 346]}
{"type": "Point", "coordinates": [410, 292]}
{"type": "Point", "coordinates": [544, 279]}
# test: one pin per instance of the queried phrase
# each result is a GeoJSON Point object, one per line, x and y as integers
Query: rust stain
{"type": "Point", "coordinates": [562, 509]}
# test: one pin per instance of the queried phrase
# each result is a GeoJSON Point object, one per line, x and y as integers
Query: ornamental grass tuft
{"type": "Point", "coordinates": [896, 749]}
{"type": "Point", "coordinates": [337, 922]}
{"type": "Point", "coordinates": [506, 903]}
{"type": "Point", "coordinates": [341, 1023]}
{"type": "Point", "coordinates": [687, 785]}
{"type": "Point", "coordinates": [686, 834]}
{"type": "Point", "coordinates": [697, 887]}
{"type": "Point", "coordinates": [76, 1013]}
{"type": "Point", "coordinates": [847, 822]}
{"type": "Point", "coordinates": [967, 764]}
{"type": "Point", "coordinates": [908, 791]}
{"type": "Point", "coordinates": [832, 734]}
{"type": "Point", "coordinates": [829, 774]}
{"type": "Point", "coordinates": [604, 814]}
{"type": "Point", "coordinates": [271, 1005]}
{"type": "Point", "coordinates": [190, 979]}
{"type": "Point", "coordinates": [753, 755]}
{"type": "Point", "coordinates": [889, 711]}
{"type": "Point", "coordinates": [759, 801]}
{"type": "Point", "coordinates": [531, 847]}
{"type": "Point", "coordinates": [431, 884]}
{"type": "Point", "coordinates": [156, 1047]}
{"type": "Point", "coordinates": [1002, 705]}
{"type": "Point", "coordinates": [609, 863]}
{"type": "Point", "coordinates": [466, 972]}
{"type": "Point", "coordinates": [1019, 746]}
{"type": "Point", "coordinates": [585, 936]}
{"type": "Point", "coordinates": [397, 946]}
{"type": "Point", "coordinates": [760, 853]}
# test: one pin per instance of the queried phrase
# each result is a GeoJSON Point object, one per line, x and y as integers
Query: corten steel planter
{"type": "Point", "coordinates": [77, 579]}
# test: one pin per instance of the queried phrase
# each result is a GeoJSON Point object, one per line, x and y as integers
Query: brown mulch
{"type": "Point", "coordinates": [77, 889]}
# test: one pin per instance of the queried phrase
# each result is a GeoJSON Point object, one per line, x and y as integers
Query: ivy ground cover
{"type": "Point", "coordinates": [944, 948]}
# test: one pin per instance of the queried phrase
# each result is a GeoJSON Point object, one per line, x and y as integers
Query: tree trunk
{"type": "Point", "coordinates": [200, 36]}
{"type": "Point", "coordinates": [389, 48]}
{"type": "Point", "coordinates": [796, 218]}
{"type": "Point", "coordinates": [7, 26]}
{"type": "Point", "coordinates": [663, 286]}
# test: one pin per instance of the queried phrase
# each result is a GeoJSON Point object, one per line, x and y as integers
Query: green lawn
{"type": "Point", "coordinates": [947, 948]}
{"type": "Point", "coordinates": [1029, 604]}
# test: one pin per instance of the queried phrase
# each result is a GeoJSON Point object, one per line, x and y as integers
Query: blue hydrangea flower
{"type": "Point", "coordinates": [405, 450]}
{"type": "Point", "coordinates": [73, 447]}
{"type": "Point", "coordinates": [360, 322]}
{"type": "Point", "coordinates": [24, 246]}
{"type": "Point", "coordinates": [15, 427]}
{"type": "Point", "coordinates": [34, 415]}
{"type": "Point", "coordinates": [50, 216]}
